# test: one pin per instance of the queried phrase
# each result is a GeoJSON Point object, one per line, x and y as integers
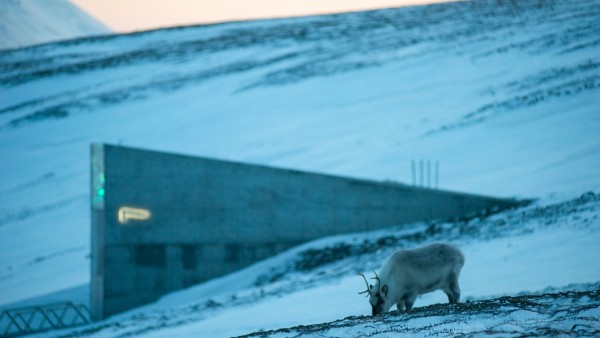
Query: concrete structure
{"type": "Point", "coordinates": [162, 222]}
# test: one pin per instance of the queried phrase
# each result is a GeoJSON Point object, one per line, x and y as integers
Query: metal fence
{"type": "Point", "coordinates": [34, 319]}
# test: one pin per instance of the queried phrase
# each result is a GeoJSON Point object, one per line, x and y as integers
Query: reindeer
{"type": "Point", "coordinates": [409, 273]}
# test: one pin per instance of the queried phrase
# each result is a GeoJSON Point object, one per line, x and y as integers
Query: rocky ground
{"type": "Point", "coordinates": [567, 313]}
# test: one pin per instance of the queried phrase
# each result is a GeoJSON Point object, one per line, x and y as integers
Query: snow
{"type": "Point", "coordinates": [521, 263]}
{"type": "Point", "coordinates": [542, 245]}
{"type": "Point", "coordinates": [29, 22]}
{"type": "Point", "coordinates": [505, 98]}
{"type": "Point", "coordinates": [501, 267]}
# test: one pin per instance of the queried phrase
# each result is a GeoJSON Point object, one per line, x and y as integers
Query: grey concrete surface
{"type": "Point", "coordinates": [210, 217]}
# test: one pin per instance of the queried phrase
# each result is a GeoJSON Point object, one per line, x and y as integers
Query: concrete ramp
{"type": "Point", "coordinates": [162, 222]}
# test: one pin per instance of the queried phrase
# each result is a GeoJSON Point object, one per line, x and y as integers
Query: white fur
{"type": "Point", "coordinates": [409, 273]}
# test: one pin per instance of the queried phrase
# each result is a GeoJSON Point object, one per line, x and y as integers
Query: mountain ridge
{"type": "Point", "coordinates": [26, 23]}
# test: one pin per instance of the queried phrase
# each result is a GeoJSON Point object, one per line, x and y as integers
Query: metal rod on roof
{"type": "Point", "coordinates": [428, 174]}
{"type": "Point", "coordinates": [412, 167]}
{"type": "Point", "coordinates": [437, 174]}
{"type": "Point", "coordinates": [421, 173]}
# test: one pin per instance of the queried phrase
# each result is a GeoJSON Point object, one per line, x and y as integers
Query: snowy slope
{"type": "Point", "coordinates": [504, 96]}
{"type": "Point", "coordinates": [29, 22]}
{"type": "Point", "coordinates": [543, 250]}
{"type": "Point", "coordinates": [556, 314]}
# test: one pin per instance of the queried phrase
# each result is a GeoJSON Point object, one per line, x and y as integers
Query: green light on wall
{"type": "Point", "coordinates": [98, 176]}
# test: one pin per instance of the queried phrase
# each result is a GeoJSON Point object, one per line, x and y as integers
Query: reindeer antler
{"type": "Point", "coordinates": [379, 280]}
{"type": "Point", "coordinates": [368, 290]}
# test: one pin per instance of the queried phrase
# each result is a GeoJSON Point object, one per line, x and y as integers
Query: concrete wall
{"type": "Point", "coordinates": [211, 217]}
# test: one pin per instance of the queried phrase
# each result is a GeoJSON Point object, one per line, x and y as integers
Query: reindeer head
{"type": "Point", "coordinates": [376, 294]}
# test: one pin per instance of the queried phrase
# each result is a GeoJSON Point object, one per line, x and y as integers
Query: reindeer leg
{"type": "Point", "coordinates": [452, 290]}
{"type": "Point", "coordinates": [450, 295]}
{"type": "Point", "coordinates": [400, 305]}
{"type": "Point", "coordinates": [409, 300]}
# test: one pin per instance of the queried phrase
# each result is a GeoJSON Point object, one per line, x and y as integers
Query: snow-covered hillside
{"type": "Point", "coordinates": [545, 256]}
{"type": "Point", "coordinates": [29, 22]}
{"type": "Point", "coordinates": [504, 94]}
